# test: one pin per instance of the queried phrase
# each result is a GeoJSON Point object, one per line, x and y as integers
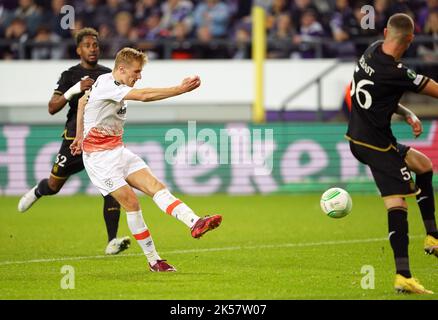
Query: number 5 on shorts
{"type": "Point", "coordinates": [405, 173]}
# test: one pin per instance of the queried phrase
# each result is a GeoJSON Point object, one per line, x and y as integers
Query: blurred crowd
{"type": "Point", "coordinates": [214, 29]}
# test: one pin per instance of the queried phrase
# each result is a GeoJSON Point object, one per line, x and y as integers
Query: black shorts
{"type": "Point", "coordinates": [389, 169]}
{"type": "Point", "coordinates": [65, 164]}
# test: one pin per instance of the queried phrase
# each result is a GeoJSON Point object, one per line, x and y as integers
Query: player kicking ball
{"type": "Point", "coordinates": [115, 170]}
{"type": "Point", "coordinates": [71, 86]}
{"type": "Point", "coordinates": [379, 81]}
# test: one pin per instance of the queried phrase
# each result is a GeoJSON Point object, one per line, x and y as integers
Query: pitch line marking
{"type": "Point", "coordinates": [267, 246]}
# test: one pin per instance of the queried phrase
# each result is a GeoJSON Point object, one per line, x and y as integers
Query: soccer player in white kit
{"type": "Point", "coordinates": [115, 170]}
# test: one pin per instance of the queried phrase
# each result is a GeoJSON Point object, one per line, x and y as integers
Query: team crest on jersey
{"type": "Point", "coordinates": [411, 74]}
{"type": "Point", "coordinates": [122, 110]}
{"type": "Point", "coordinates": [109, 183]}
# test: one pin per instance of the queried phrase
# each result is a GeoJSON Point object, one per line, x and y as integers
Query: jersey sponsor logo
{"type": "Point", "coordinates": [116, 83]}
{"type": "Point", "coordinates": [122, 111]}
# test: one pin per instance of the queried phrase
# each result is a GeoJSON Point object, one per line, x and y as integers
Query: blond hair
{"type": "Point", "coordinates": [399, 26]}
{"type": "Point", "coordinates": [128, 55]}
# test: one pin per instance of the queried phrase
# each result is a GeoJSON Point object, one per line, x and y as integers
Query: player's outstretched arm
{"type": "Point", "coordinates": [431, 89]}
{"type": "Point", "coordinates": [76, 146]}
{"type": "Point", "coordinates": [154, 94]}
{"type": "Point", "coordinates": [411, 119]}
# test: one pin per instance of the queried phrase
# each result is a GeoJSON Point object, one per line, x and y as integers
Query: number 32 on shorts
{"type": "Point", "coordinates": [405, 173]}
{"type": "Point", "coordinates": [60, 160]}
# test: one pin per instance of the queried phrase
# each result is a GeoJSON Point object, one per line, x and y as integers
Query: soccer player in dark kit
{"type": "Point", "coordinates": [71, 86]}
{"type": "Point", "coordinates": [379, 82]}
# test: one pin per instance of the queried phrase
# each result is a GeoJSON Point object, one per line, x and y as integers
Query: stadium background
{"type": "Point", "coordinates": [310, 51]}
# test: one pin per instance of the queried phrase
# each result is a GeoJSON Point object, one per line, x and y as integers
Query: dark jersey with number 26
{"type": "Point", "coordinates": [68, 79]}
{"type": "Point", "coordinates": [378, 84]}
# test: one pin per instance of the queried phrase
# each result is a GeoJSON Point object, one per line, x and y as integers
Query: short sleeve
{"type": "Point", "coordinates": [106, 88]}
{"type": "Point", "coordinates": [119, 91]}
{"type": "Point", "coordinates": [408, 79]}
{"type": "Point", "coordinates": [63, 83]}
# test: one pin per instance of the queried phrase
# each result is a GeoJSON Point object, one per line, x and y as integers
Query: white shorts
{"type": "Point", "coordinates": [108, 169]}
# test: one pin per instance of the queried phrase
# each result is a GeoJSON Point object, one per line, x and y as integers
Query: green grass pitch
{"type": "Point", "coordinates": [268, 247]}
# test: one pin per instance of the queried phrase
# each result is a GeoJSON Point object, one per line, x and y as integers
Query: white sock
{"type": "Point", "coordinates": [141, 234]}
{"type": "Point", "coordinates": [175, 207]}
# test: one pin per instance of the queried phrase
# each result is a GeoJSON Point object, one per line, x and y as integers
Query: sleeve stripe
{"type": "Point", "coordinates": [423, 84]}
{"type": "Point", "coordinates": [60, 93]}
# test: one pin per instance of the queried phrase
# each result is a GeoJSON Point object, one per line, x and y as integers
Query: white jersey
{"type": "Point", "coordinates": [105, 114]}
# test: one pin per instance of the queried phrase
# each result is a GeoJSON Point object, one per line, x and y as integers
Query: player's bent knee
{"type": "Point", "coordinates": [427, 165]}
{"type": "Point", "coordinates": [130, 203]}
{"type": "Point", "coordinates": [423, 166]}
{"type": "Point", "coordinates": [154, 187]}
{"type": "Point", "coordinates": [419, 162]}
